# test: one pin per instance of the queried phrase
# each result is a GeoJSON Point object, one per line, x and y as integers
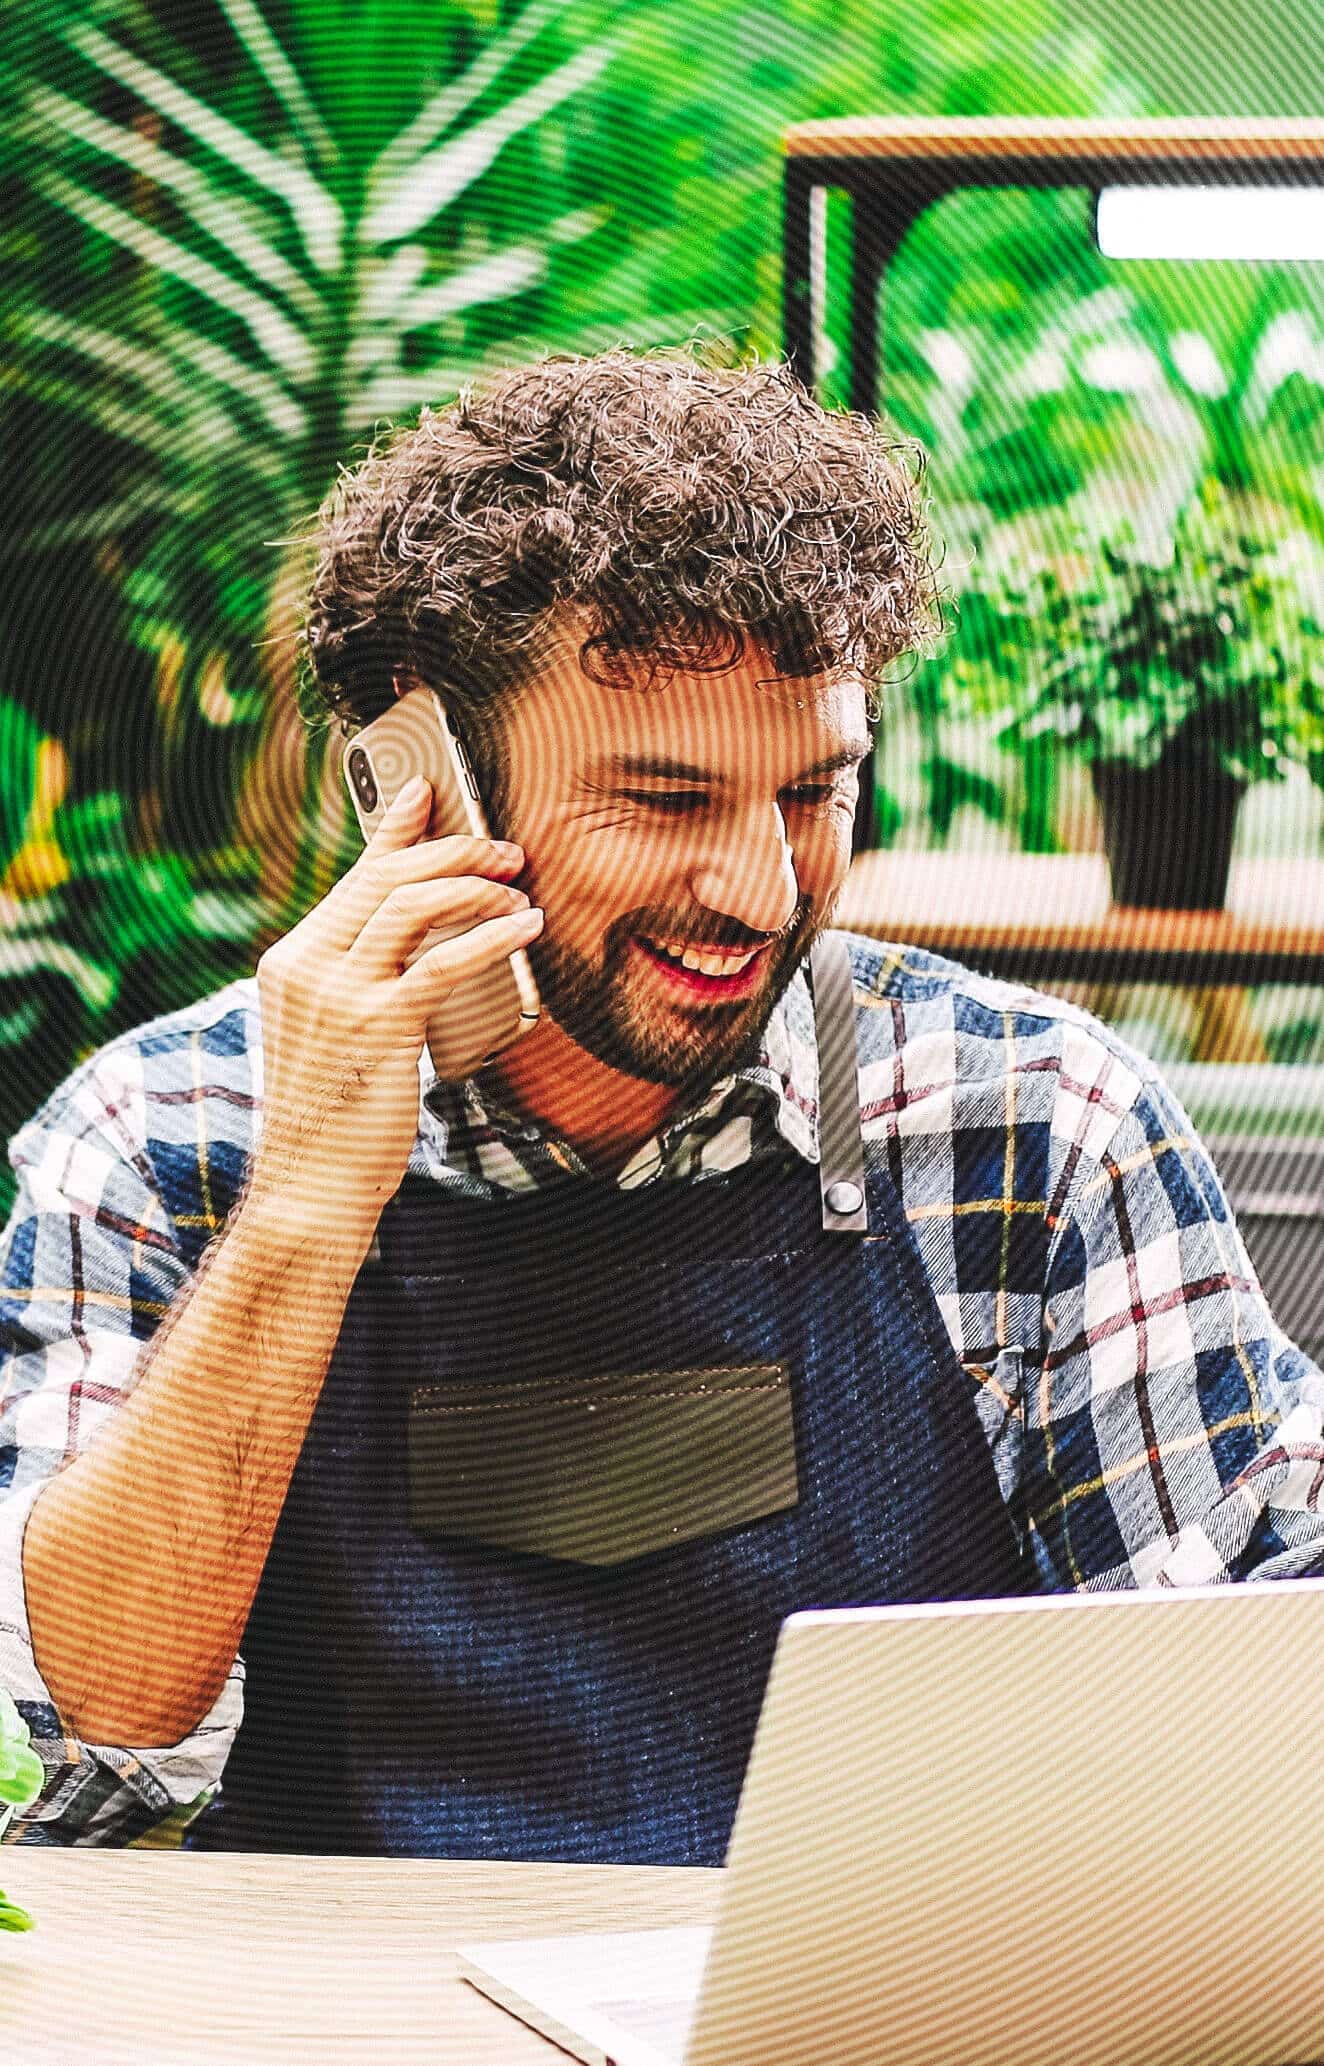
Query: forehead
{"type": "Point", "coordinates": [735, 716]}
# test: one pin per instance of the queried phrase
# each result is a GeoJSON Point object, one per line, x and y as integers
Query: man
{"type": "Point", "coordinates": [501, 1422]}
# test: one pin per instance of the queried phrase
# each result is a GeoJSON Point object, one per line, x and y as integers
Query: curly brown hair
{"type": "Point", "coordinates": [681, 507]}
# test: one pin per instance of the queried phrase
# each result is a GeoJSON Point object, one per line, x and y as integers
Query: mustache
{"type": "Point", "coordinates": [703, 934]}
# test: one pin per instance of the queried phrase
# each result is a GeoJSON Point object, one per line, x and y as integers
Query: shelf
{"type": "Point", "coordinates": [1060, 139]}
{"type": "Point", "coordinates": [1048, 916]}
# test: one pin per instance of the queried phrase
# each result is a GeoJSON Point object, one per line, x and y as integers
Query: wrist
{"type": "Point", "coordinates": [296, 1215]}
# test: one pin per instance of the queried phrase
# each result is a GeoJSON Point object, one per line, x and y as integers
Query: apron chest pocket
{"type": "Point", "coordinates": [599, 1470]}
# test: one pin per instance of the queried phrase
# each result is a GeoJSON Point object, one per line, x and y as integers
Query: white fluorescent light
{"type": "Point", "coordinates": [1211, 222]}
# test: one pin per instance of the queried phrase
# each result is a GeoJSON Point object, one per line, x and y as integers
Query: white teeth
{"type": "Point", "coordinates": [706, 964]}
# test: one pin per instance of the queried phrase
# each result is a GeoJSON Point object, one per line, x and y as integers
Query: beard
{"type": "Point", "coordinates": [606, 1008]}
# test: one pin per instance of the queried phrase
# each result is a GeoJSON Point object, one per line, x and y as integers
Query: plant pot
{"type": "Point", "coordinates": [1168, 829]}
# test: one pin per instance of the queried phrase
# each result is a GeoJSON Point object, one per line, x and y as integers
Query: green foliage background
{"type": "Point", "coordinates": [241, 235]}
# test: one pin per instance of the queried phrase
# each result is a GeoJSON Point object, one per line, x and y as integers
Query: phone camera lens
{"type": "Point", "coordinates": [360, 774]}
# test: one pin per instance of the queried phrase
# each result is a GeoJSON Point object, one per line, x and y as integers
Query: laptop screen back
{"type": "Point", "coordinates": [1060, 1830]}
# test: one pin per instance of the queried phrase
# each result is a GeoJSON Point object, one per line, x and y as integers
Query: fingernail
{"type": "Point", "coordinates": [508, 849]}
{"type": "Point", "coordinates": [529, 921]}
{"type": "Point", "coordinates": [414, 791]}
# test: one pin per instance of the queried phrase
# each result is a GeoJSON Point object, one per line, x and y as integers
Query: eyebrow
{"type": "Point", "coordinates": [662, 768]}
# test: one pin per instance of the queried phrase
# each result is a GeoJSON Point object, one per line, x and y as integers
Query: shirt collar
{"type": "Point", "coordinates": [781, 1080]}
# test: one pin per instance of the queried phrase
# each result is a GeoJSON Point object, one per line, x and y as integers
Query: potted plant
{"type": "Point", "coordinates": [20, 1783]}
{"type": "Point", "coordinates": [1179, 682]}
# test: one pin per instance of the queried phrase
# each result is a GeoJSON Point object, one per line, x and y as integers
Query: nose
{"type": "Point", "coordinates": [750, 875]}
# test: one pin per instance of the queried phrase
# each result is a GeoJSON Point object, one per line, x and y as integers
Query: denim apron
{"type": "Point", "coordinates": [578, 1454]}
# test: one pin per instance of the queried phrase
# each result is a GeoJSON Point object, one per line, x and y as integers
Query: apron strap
{"type": "Point", "coordinates": [840, 1139]}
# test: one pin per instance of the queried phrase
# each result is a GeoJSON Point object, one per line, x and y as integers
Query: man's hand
{"type": "Point", "coordinates": [141, 1559]}
{"type": "Point", "coordinates": [344, 1013]}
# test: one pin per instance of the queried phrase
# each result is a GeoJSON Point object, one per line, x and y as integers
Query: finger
{"type": "Point", "coordinates": [458, 853]}
{"type": "Point", "coordinates": [398, 928]}
{"type": "Point", "coordinates": [344, 912]}
{"type": "Point", "coordinates": [443, 968]}
{"type": "Point", "coordinates": [404, 818]}
{"type": "Point", "coordinates": [401, 824]}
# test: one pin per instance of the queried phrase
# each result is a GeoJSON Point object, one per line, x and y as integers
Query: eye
{"type": "Point", "coordinates": [674, 802]}
{"type": "Point", "coordinates": [815, 794]}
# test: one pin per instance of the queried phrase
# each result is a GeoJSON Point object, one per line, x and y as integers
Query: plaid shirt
{"type": "Point", "coordinates": [1149, 1423]}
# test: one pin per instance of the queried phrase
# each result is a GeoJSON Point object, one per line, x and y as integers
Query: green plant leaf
{"type": "Point", "coordinates": [21, 1772]}
{"type": "Point", "coordinates": [20, 742]}
{"type": "Point", "coordinates": [118, 419]}
{"type": "Point", "coordinates": [271, 331]}
{"type": "Point", "coordinates": [488, 279]}
{"type": "Point", "coordinates": [396, 393]}
{"type": "Point", "coordinates": [244, 231]}
{"type": "Point", "coordinates": [445, 107]}
{"type": "Point", "coordinates": [95, 982]}
{"type": "Point", "coordinates": [161, 369]}
{"type": "Point", "coordinates": [286, 417]}
{"type": "Point", "coordinates": [21, 1775]}
{"type": "Point", "coordinates": [148, 499]}
{"type": "Point", "coordinates": [385, 283]}
{"type": "Point", "coordinates": [18, 1026]}
{"type": "Point", "coordinates": [951, 787]}
{"type": "Point", "coordinates": [316, 212]}
{"type": "Point", "coordinates": [254, 32]}
{"type": "Point", "coordinates": [410, 200]}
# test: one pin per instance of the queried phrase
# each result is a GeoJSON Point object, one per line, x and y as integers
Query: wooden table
{"type": "Point", "coordinates": [179, 1959]}
{"type": "Point", "coordinates": [1047, 919]}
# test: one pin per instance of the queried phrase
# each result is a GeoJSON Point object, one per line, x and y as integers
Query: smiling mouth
{"type": "Point", "coordinates": [700, 972]}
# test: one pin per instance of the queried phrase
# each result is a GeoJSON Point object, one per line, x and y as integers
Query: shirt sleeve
{"type": "Point", "coordinates": [1174, 1435]}
{"type": "Point", "coordinates": [89, 1262]}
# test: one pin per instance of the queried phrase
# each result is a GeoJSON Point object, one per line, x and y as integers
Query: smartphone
{"type": "Point", "coordinates": [418, 736]}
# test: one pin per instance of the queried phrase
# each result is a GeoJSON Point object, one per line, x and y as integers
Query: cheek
{"type": "Point", "coordinates": [822, 853]}
{"type": "Point", "coordinates": [588, 876]}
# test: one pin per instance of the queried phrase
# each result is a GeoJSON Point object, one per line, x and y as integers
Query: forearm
{"type": "Point", "coordinates": [141, 1558]}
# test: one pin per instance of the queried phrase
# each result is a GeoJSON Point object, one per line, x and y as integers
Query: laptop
{"type": "Point", "coordinates": [1083, 1830]}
